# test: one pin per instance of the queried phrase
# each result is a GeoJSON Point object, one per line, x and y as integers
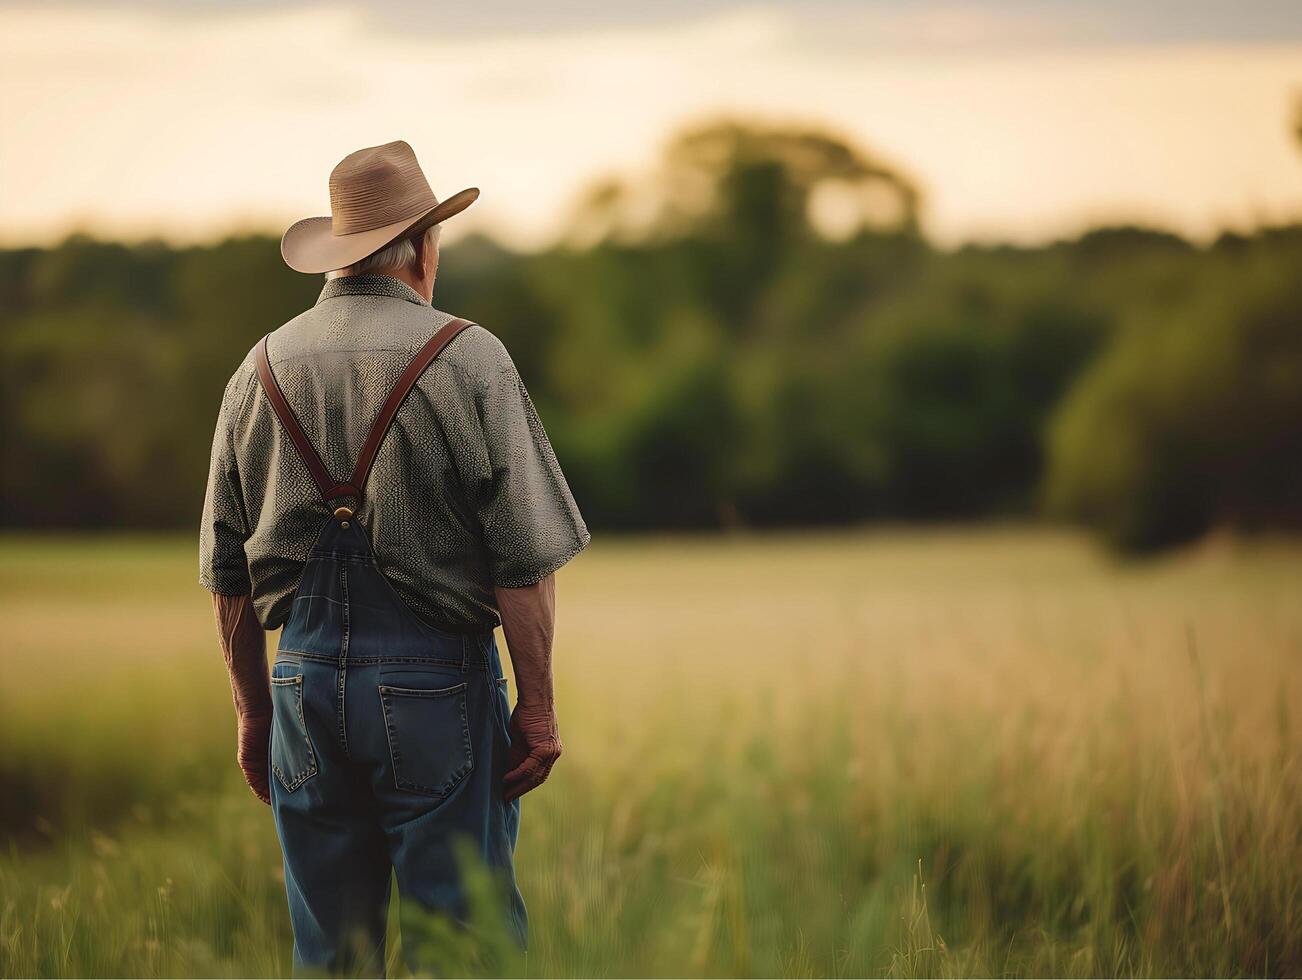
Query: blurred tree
{"type": "Point", "coordinates": [730, 176]}
{"type": "Point", "coordinates": [743, 198]}
{"type": "Point", "coordinates": [757, 334]}
{"type": "Point", "coordinates": [966, 372]}
{"type": "Point", "coordinates": [1193, 418]}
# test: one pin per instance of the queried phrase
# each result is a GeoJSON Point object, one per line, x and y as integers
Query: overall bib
{"type": "Point", "coordinates": [389, 739]}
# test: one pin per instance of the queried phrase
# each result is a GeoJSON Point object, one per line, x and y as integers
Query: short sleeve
{"type": "Point", "coordinates": [530, 523]}
{"type": "Point", "coordinates": [223, 567]}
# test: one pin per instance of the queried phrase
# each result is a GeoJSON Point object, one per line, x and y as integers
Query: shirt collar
{"type": "Point", "coordinates": [370, 284]}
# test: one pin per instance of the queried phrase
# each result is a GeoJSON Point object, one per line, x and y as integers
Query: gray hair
{"type": "Point", "coordinates": [394, 257]}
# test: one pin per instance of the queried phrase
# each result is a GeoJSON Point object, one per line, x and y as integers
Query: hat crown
{"type": "Point", "coordinates": [377, 186]}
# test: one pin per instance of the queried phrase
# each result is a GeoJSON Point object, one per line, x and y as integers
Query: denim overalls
{"type": "Point", "coordinates": [389, 739]}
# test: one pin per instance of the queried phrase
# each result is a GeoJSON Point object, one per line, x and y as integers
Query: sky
{"type": "Point", "coordinates": [1022, 121]}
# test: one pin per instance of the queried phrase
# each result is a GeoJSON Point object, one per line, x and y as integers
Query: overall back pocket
{"type": "Point", "coordinates": [429, 738]}
{"type": "Point", "coordinates": [292, 758]}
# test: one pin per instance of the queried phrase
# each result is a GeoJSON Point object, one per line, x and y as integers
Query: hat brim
{"type": "Point", "coordinates": [310, 246]}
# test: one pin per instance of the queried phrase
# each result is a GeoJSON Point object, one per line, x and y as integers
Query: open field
{"type": "Point", "coordinates": [905, 753]}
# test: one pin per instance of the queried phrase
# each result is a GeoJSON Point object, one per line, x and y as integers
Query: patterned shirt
{"type": "Point", "coordinates": [465, 493]}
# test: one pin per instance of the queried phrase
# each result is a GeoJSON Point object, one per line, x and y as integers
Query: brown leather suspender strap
{"type": "Point", "coordinates": [401, 390]}
{"type": "Point", "coordinates": [354, 487]}
{"type": "Point", "coordinates": [271, 387]}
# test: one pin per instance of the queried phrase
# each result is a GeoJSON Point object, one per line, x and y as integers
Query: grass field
{"type": "Point", "coordinates": [904, 753]}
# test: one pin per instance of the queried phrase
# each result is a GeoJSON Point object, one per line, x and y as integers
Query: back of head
{"type": "Point", "coordinates": [397, 258]}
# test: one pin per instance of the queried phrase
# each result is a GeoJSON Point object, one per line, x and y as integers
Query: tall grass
{"type": "Point", "coordinates": [825, 755]}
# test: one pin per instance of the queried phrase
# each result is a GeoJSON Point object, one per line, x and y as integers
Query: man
{"type": "Point", "coordinates": [383, 737]}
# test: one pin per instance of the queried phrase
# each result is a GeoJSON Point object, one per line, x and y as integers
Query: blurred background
{"type": "Point", "coordinates": [760, 264]}
{"type": "Point", "coordinates": [929, 373]}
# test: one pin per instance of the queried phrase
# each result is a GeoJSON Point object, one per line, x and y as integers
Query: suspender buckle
{"type": "Point", "coordinates": [342, 514]}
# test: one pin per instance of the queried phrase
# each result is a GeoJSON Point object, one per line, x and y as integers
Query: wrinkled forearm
{"type": "Point", "coordinates": [528, 620]}
{"type": "Point", "coordinates": [245, 648]}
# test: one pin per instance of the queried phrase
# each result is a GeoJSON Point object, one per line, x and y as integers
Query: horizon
{"type": "Point", "coordinates": [488, 235]}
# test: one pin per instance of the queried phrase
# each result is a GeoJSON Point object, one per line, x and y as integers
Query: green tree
{"type": "Point", "coordinates": [1193, 418]}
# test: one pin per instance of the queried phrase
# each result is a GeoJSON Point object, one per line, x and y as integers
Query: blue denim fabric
{"type": "Point", "coordinates": [388, 749]}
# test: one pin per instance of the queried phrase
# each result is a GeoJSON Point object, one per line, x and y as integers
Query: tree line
{"type": "Point", "coordinates": [755, 334]}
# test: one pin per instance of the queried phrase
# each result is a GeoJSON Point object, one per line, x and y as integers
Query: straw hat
{"type": "Point", "coordinates": [377, 196]}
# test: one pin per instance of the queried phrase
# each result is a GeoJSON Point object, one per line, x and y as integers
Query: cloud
{"type": "Point", "coordinates": [133, 123]}
{"type": "Point", "coordinates": [912, 22]}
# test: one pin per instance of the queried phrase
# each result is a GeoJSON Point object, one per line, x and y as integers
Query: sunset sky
{"type": "Point", "coordinates": [1021, 120]}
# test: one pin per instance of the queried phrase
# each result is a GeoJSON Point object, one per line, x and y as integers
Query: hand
{"type": "Point", "coordinates": [254, 737]}
{"type": "Point", "coordinates": [535, 747]}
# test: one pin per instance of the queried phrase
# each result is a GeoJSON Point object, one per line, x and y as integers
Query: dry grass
{"type": "Point", "coordinates": [836, 754]}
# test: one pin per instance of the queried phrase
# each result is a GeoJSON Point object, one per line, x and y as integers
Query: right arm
{"type": "Point", "coordinates": [530, 527]}
{"type": "Point", "coordinates": [528, 620]}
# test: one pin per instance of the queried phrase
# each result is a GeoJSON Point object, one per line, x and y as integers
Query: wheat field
{"type": "Point", "coordinates": [896, 752]}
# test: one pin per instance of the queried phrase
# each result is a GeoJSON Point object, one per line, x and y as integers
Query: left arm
{"type": "Point", "coordinates": [223, 570]}
{"type": "Point", "coordinates": [244, 645]}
